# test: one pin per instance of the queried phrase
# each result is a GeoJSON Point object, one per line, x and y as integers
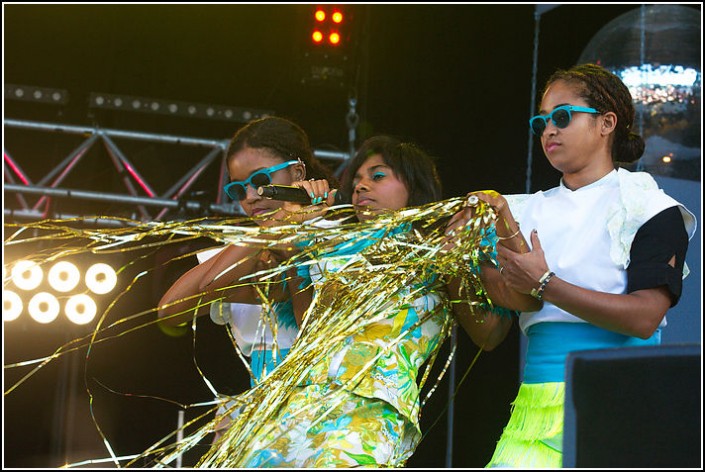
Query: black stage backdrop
{"type": "Point", "coordinates": [456, 79]}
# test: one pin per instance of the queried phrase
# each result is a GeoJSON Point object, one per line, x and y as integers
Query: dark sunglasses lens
{"type": "Point", "coordinates": [240, 191]}
{"type": "Point", "coordinates": [236, 192]}
{"type": "Point", "coordinates": [561, 118]}
{"type": "Point", "coordinates": [260, 179]}
{"type": "Point", "coordinates": [538, 125]}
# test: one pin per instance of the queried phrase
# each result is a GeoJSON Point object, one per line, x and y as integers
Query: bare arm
{"type": "Point", "coordinates": [201, 285]}
{"type": "Point", "coordinates": [634, 314]}
{"type": "Point", "coordinates": [186, 287]}
{"type": "Point", "coordinates": [488, 330]}
{"type": "Point", "coordinates": [485, 329]}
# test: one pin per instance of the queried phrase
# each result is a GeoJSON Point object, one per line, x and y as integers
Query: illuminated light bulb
{"type": "Point", "coordinates": [337, 17]}
{"type": "Point", "coordinates": [334, 38]}
{"type": "Point", "coordinates": [100, 278]}
{"type": "Point", "coordinates": [43, 307]}
{"type": "Point", "coordinates": [320, 15]}
{"type": "Point", "coordinates": [666, 159]}
{"type": "Point", "coordinates": [27, 275]}
{"type": "Point", "coordinates": [64, 276]}
{"type": "Point", "coordinates": [80, 309]}
{"type": "Point", "coordinates": [11, 305]}
{"type": "Point", "coordinates": [317, 36]}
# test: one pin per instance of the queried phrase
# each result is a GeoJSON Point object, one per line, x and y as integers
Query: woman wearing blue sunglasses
{"type": "Point", "coordinates": [607, 254]}
{"type": "Point", "coordinates": [267, 150]}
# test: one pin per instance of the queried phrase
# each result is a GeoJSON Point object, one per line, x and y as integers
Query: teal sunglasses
{"type": "Point", "coordinates": [560, 116]}
{"type": "Point", "coordinates": [237, 190]}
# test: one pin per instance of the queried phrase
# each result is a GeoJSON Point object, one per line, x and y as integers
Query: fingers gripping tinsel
{"type": "Point", "coordinates": [371, 278]}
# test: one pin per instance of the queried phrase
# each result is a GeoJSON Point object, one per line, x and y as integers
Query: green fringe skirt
{"type": "Point", "coordinates": [533, 437]}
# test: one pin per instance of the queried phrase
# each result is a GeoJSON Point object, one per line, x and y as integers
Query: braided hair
{"type": "Point", "coordinates": [606, 92]}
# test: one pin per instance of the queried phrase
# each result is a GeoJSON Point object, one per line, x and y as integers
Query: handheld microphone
{"type": "Point", "coordinates": [290, 193]}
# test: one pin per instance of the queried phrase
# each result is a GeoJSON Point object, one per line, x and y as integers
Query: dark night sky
{"type": "Point", "coordinates": [456, 79]}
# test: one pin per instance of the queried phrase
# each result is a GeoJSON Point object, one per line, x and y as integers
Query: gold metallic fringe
{"type": "Point", "coordinates": [383, 272]}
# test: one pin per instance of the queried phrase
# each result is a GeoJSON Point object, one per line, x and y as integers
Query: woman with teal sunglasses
{"type": "Point", "coordinates": [267, 150]}
{"type": "Point", "coordinates": [607, 254]}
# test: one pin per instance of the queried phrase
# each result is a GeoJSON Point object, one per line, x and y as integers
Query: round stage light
{"type": "Point", "coordinates": [27, 275]}
{"type": "Point", "coordinates": [43, 307]}
{"type": "Point", "coordinates": [64, 276]}
{"type": "Point", "coordinates": [11, 305]}
{"type": "Point", "coordinates": [101, 278]}
{"type": "Point", "coordinates": [81, 309]}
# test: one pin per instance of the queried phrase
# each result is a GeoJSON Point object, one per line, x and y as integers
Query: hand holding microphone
{"type": "Point", "coordinates": [294, 194]}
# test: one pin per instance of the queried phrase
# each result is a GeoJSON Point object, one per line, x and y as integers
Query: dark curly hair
{"type": "Point", "coordinates": [411, 164]}
{"type": "Point", "coordinates": [284, 139]}
{"type": "Point", "coordinates": [604, 91]}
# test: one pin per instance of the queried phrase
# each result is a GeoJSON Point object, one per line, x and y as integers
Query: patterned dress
{"type": "Point", "coordinates": [358, 405]}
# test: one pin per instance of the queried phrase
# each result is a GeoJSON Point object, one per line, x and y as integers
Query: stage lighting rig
{"type": "Point", "coordinates": [328, 55]}
{"type": "Point", "coordinates": [28, 93]}
{"type": "Point", "coordinates": [175, 108]}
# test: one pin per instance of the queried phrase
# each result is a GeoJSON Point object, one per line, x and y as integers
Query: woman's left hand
{"type": "Point", "coordinates": [522, 271]}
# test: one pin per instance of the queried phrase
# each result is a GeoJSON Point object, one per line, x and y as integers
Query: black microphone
{"type": "Point", "coordinates": [291, 193]}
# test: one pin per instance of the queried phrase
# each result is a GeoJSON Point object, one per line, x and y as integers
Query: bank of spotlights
{"type": "Point", "coordinates": [43, 299]}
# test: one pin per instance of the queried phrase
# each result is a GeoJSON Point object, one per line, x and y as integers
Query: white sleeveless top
{"type": "Point", "coordinates": [245, 321]}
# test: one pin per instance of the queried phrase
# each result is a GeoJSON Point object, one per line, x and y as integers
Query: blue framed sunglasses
{"type": "Point", "coordinates": [560, 116]}
{"type": "Point", "coordinates": [237, 190]}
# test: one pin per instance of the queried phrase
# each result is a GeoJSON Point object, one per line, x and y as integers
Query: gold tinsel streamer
{"type": "Point", "coordinates": [383, 271]}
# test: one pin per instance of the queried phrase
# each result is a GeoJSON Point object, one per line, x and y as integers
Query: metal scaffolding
{"type": "Point", "coordinates": [148, 204]}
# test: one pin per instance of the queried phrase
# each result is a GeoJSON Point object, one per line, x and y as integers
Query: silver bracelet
{"type": "Point", "coordinates": [537, 293]}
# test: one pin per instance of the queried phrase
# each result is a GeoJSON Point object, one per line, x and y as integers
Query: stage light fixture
{"type": "Point", "coordinates": [175, 108]}
{"type": "Point", "coordinates": [330, 51]}
{"type": "Point", "coordinates": [43, 307]}
{"type": "Point", "coordinates": [80, 309]}
{"type": "Point", "coordinates": [328, 23]}
{"type": "Point", "coordinates": [64, 276]}
{"type": "Point", "coordinates": [12, 305]}
{"type": "Point", "coordinates": [101, 278]}
{"type": "Point", "coordinates": [28, 93]}
{"type": "Point", "coordinates": [27, 275]}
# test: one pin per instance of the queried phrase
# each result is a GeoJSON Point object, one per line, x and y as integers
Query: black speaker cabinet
{"type": "Point", "coordinates": [634, 407]}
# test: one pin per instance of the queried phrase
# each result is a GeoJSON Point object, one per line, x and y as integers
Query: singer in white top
{"type": "Point", "coordinates": [607, 254]}
{"type": "Point", "coordinates": [270, 150]}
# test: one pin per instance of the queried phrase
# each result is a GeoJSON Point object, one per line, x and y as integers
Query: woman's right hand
{"type": "Point", "coordinates": [321, 195]}
{"type": "Point", "coordinates": [461, 219]}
